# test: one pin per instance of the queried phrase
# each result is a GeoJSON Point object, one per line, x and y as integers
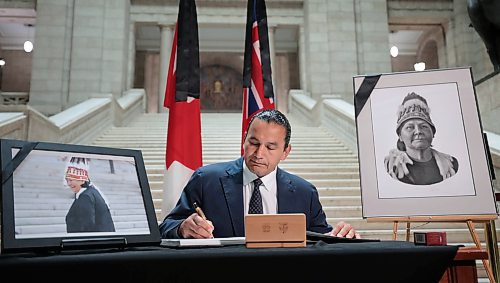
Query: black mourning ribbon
{"type": "Point", "coordinates": [364, 92]}
{"type": "Point", "coordinates": [16, 161]}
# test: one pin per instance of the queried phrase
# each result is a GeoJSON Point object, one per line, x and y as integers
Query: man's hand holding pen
{"type": "Point", "coordinates": [196, 226]}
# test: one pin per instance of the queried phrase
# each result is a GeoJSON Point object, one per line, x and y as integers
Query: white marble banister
{"type": "Point", "coordinates": [12, 125]}
{"type": "Point", "coordinates": [129, 106]}
{"type": "Point", "coordinates": [78, 112]}
{"type": "Point", "coordinates": [303, 106]}
{"type": "Point", "coordinates": [338, 117]}
{"type": "Point", "coordinates": [79, 124]}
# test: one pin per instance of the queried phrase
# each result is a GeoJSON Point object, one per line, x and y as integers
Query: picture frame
{"type": "Point", "coordinates": [431, 119]}
{"type": "Point", "coordinates": [41, 211]}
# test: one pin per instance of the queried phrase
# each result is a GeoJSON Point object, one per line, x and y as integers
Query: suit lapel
{"type": "Point", "coordinates": [286, 193]}
{"type": "Point", "coordinates": [232, 185]}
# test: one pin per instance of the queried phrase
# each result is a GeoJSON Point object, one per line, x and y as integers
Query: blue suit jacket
{"type": "Point", "coordinates": [218, 190]}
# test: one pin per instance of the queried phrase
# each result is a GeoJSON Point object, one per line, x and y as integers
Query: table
{"type": "Point", "coordinates": [384, 261]}
{"type": "Point", "coordinates": [463, 268]}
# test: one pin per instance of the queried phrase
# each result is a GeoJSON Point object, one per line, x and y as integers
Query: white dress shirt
{"type": "Point", "coordinates": [268, 190]}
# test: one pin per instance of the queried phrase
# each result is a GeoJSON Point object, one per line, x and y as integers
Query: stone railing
{"type": "Point", "coordinates": [338, 117]}
{"type": "Point", "coordinates": [129, 106]}
{"type": "Point", "coordinates": [79, 124]}
{"type": "Point", "coordinates": [14, 98]}
{"type": "Point", "coordinates": [13, 125]}
{"type": "Point", "coordinates": [304, 107]}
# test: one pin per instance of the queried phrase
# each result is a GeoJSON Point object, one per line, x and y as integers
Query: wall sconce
{"type": "Point", "coordinates": [28, 45]}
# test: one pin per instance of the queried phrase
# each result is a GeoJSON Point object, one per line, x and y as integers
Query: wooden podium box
{"type": "Point", "coordinates": [275, 230]}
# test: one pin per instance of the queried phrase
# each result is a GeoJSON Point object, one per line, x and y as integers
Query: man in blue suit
{"type": "Point", "coordinates": [224, 190]}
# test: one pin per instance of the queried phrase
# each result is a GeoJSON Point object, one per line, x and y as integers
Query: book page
{"type": "Point", "coordinates": [202, 242]}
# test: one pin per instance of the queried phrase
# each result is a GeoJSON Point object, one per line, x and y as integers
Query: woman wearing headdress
{"type": "Point", "coordinates": [415, 161]}
{"type": "Point", "coordinates": [90, 209]}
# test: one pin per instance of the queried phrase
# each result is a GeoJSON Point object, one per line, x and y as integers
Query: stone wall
{"type": "Point", "coordinates": [81, 49]}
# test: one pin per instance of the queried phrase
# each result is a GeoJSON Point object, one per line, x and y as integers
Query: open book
{"type": "Point", "coordinates": [202, 242]}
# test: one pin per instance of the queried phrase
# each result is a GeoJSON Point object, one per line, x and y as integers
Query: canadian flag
{"type": "Point", "coordinates": [183, 152]}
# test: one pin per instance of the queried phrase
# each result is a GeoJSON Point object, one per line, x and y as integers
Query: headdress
{"type": "Point", "coordinates": [77, 169]}
{"type": "Point", "coordinates": [414, 106]}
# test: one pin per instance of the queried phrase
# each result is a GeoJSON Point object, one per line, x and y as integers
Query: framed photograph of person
{"type": "Point", "coordinates": [421, 148]}
{"type": "Point", "coordinates": [61, 196]}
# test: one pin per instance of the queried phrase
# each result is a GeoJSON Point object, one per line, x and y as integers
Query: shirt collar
{"type": "Point", "coordinates": [267, 180]}
{"type": "Point", "coordinates": [80, 192]}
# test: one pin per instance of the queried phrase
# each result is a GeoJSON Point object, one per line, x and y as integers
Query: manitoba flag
{"type": "Point", "coordinates": [257, 81]}
{"type": "Point", "coordinates": [183, 152]}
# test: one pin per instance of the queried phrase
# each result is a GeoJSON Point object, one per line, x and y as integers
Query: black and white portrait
{"type": "Point", "coordinates": [414, 160]}
{"type": "Point", "coordinates": [420, 144]}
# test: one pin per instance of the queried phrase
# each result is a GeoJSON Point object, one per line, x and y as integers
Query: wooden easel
{"type": "Point", "coordinates": [468, 219]}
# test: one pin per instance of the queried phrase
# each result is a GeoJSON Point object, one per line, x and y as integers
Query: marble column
{"type": "Point", "coordinates": [131, 57]}
{"type": "Point", "coordinates": [167, 33]}
{"type": "Point", "coordinates": [302, 59]}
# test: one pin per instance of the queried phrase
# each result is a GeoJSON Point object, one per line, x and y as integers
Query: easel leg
{"type": "Point", "coordinates": [408, 231]}
{"type": "Point", "coordinates": [492, 245]}
{"type": "Point", "coordinates": [395, 231]}
{"type": "Point", "coordinates": [475, 238]}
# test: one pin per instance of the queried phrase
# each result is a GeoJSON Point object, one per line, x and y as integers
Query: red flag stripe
{"type": "Point", "coordinates": [184, 124]}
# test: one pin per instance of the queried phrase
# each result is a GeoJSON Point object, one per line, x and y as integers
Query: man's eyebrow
{"type": "Point", "coordinates": [272, 143]}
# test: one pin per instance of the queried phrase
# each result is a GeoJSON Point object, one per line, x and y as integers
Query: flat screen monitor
{"type": "Point", "coordinates": [63, 196]}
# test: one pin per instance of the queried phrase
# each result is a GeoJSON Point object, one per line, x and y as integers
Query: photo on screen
{"type": "Point", "coordinates": [59, 193]}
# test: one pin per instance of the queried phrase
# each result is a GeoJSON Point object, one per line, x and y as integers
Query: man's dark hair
{"type": "Point", "coordinates": [273, 116]}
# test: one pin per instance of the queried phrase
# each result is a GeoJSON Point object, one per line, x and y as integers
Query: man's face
{"type": "Point", "coordinates": [264, 147]}
{"type": "Point", "coordinates": [416, 134]}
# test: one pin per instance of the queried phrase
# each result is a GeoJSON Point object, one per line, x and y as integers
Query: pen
{"type": "Point", "coordinates": [199, 211]}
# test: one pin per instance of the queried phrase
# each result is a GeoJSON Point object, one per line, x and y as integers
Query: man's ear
{"type": "Point", "coordinates": [286, 152]}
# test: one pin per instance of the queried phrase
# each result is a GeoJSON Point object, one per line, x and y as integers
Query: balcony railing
{"type": "Point", "coordinates": [15, 98]}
